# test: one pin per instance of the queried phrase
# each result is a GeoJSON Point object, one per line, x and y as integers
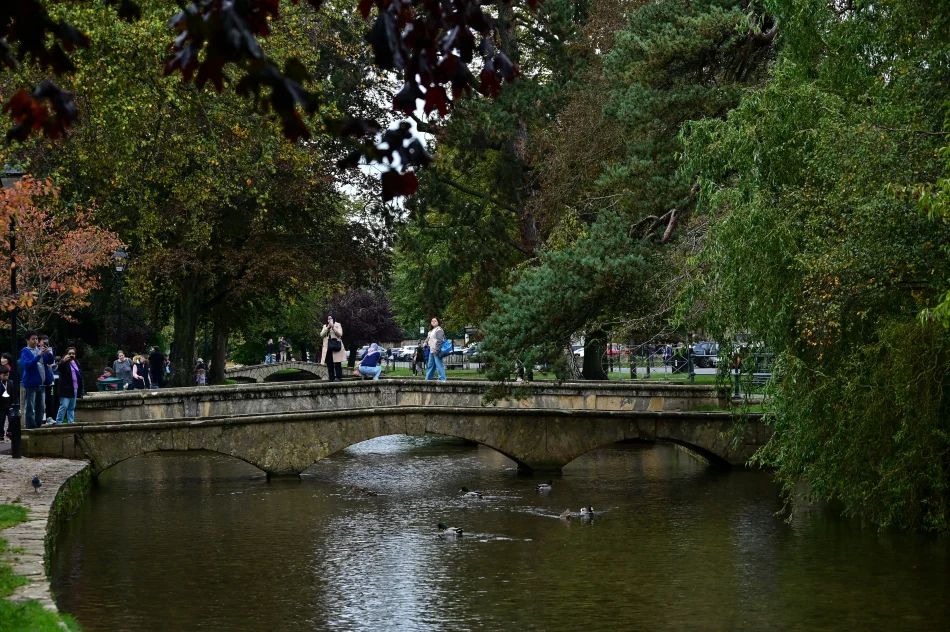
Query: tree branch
{"type": "Point", "coordinates": [474, 193]}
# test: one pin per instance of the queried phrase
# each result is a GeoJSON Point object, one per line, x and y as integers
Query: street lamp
{"type": "Point", "coordinates": [119, 259]}
{"type": "Point", "coordinates": [9, 179]}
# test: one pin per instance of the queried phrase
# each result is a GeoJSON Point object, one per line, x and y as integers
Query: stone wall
{"type": "Point", "coordinates": [65, 484]}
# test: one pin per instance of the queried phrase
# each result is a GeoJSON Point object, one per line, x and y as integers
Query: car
{"type": "Point", "coordinates": [361, 352]}
{"type": "Point", "coordinates": [471, 353]}
{"type": "Point", "coordinates": [706, 354]}
{"type": "Point", "coordinates": [615, 349]}
{"type": "Point", "coordinates": [578, 351]}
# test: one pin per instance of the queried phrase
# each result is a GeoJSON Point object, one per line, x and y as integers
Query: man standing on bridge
{"type": "Point", "coordinates": [33, 361]}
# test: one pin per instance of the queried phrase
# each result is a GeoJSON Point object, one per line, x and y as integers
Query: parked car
{"type": "Point", "coordinates": [471, 353]}
{"type": "Point", "coordinates": [615, 349]}
{"type": "Point", "coordinates": [706, 354]}
{"type": "Point", "coordinates": [578, 351]}
{"type": "Point", "coordinates": [361, 352]}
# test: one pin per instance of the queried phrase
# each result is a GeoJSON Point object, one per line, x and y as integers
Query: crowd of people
{"type": "Point", "coordinates": [139, 371]}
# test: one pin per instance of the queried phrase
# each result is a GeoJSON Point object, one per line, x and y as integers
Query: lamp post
{"type": "Point", "coordinates": [9, 179]}
{"type": "Point", "coordinates": [119, 259]}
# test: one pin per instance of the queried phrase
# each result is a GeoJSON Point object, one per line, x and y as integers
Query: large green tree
{"type": "Point", "coordinates": [814, 247]}
{"type": "Point", "coordinates": [217, 207]}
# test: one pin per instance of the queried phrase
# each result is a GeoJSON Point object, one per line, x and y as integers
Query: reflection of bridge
{"type": "Point", "coordinates": [260, 372]}
{"type": "Point", "coordinates": [285, 428]}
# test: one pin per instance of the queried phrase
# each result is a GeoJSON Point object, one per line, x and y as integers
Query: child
{"type": "Point", "coordinates": [106, 374]}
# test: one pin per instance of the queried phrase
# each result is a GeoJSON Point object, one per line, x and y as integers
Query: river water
{"type": "Point", "coordinates": [203, 542]}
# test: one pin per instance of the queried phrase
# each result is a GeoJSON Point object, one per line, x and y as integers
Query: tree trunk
{"type": "Point", "coordinates": [186, 326]}
{"type": "Point", "coordinates": [594, 348]}
{"type": "Point", "coordinates": [219, 350]}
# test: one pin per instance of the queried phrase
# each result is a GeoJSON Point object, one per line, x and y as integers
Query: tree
{"type": "Point", "coordinates": [365, 316]}
{"type": "Point", "coordinates": [813, 249]}
{"type": "Point", "coordinates": [59, 253]}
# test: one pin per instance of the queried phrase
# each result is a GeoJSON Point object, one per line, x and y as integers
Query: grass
{"type": "Point", "coordinates": [27, 615]}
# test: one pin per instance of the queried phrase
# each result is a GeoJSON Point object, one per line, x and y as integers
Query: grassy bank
{"type": "Point", "coordinates": [28, 615]}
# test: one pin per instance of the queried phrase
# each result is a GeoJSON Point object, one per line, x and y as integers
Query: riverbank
{"type": "Point", "coordinates": [25, 599]}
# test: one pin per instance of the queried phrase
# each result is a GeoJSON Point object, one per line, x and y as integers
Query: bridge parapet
{"type": "Point", "coordinates": [289, 397]}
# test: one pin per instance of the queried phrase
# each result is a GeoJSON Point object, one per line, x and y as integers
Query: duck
{"type": "Point", "coordinates": [565, 515]}
{"type": "Point", "coordinates": [545, 487]}
{"type": "Point", "coordinates": [362, 491]}
{"type": "Point", "coordinates": [587, 512]}
{"type": "Point", "coordinates": [450, 531]}
{"type": "Point", "coordinates": [467, 493]}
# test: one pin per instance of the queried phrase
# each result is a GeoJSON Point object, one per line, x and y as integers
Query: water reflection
{"type": "Point", "coordinates": [202, 542]}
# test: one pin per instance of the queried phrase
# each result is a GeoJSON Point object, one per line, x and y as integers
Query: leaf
{"type": "Point", "coordinates": [397, 184]}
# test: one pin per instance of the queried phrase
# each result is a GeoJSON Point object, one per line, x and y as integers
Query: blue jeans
{"type": "Point", "coordinates": [35, 406]}
{"type": "Point", "coordinates": [371, 371]}
{"type": "Point", "coordinates": [435, 364]}
{"type": "Point", "coordinates": [67, 410]}
{"type": "Point", "coordinates": [269, 359]}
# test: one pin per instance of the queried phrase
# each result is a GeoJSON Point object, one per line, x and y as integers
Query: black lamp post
{"type": "Point", "coordinates": [119, 259]}
{"type": "Point", "coordinates": [9, 179]}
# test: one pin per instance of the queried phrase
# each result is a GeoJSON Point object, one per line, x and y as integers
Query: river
{"type": "Point", "coordinates": [198, 541]}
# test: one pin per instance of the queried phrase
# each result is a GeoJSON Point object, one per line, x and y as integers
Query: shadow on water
{"type": "Point", "coordinates": [189, 541]}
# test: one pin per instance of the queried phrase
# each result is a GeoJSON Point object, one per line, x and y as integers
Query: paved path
{"type": "Point", "coordinates": [27, 541]}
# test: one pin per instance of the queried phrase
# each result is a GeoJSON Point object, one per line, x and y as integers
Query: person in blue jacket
{"type": "Point", "coordinates": [369, 366]}
{"type": "Point", "coordinates": [33, 360]}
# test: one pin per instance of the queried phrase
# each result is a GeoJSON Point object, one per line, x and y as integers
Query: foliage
{"type": "Point", "coordinates": [808, 249]}
{"type": "Point", "coordinates": [365, 317]}
{"type": "Point", "coordinates": [59, 253]}
{"type": "Point", "coordinates": [546, 305]}
{"type": "Point", "coordinates": [429, 45]}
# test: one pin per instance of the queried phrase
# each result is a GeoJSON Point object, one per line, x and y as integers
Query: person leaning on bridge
{"type": "Point", "coordinates": [332, 334]}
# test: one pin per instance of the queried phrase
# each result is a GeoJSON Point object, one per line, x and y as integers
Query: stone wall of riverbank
{"type": "Point", "coordinates": [30, 543]}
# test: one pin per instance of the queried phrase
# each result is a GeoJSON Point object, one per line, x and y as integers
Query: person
{"type": "Point", "coordinates": [419, 359]}
{"type": "Point", "coordinates": [69, 386]}
{"type": "Point", "coordinates": [122, 369]}
{"type": "Point", "coordinates": [201, 370]}
{"type": "Point", "coordinates": [156, 368]}
{"type": "Point", "coordinates": [332, 334]}
{"type": "Point", "coordinates": [434, 341]}
{"type": "Point", "coordinates": [138, 374]}
{"type": "Point", "coordinates": [6, 360]}
{"type": "Point", "coordinates": [49, 383]}
{"type": "Point", "coordinates": [369, 365]}
{"type": "Point", "coordinates": [282, 347]}
{"type": "Point", "coordinates": [269, 358]}
{"type": "Point", "coordinates": [106, 374]}
{"type": "Point", "coordinates": [6, 400]}
{"type": "Point", "coordinates": [33, 360]}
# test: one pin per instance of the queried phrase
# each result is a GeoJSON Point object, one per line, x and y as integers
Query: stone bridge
{"type": "Point", "coordinates": [283, 429]}
{"type": "Point", "coordinates": [260, 372]}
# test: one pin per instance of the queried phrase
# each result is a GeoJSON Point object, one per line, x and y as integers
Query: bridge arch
{"type": "Point", "coordinates": [260, 372]}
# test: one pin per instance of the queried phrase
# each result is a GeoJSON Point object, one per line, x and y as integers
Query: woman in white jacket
{"type": "Point", "coordinates": [334, 354]}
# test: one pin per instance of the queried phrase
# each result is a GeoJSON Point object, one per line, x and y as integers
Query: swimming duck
{"type": "Point", "coordinates": [362, 491]}
{"type": "Point", "coordinates": [587, 512]}
{"type": "Point", "coordinates": [467, 493]}
{"type": "Point", "coordinates": [545, 487]}
{"type": "Point", "coordinates": [451, 531]}
{"type": "Point", "coordinates": [565, 515]}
